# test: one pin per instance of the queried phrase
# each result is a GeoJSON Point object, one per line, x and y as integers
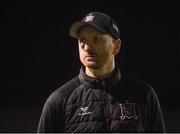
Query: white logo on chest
{"type": "Point", "coordinates": [84, 111]}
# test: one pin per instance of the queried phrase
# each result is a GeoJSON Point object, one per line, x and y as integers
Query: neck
{"type": "Point", "coordinates": [103, 72]}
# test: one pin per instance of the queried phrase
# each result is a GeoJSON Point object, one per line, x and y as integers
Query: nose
{"type": "Point", "coordinates": [86, 47]}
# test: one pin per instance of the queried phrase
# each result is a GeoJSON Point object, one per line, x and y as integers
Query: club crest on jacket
{"type": "Point", "coordinates": [128, 111]}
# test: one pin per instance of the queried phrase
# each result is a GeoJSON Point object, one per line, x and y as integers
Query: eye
{"type": "Point", "coordinates": [97, 39]}
{"type": "Point", "coordinates": [82, 40]}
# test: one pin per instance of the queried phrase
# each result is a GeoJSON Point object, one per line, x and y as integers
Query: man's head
{"type": "Point", "coordinates": [98, 39]}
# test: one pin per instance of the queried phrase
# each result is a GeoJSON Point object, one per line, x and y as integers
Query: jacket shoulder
{"type": "Point", "coordinates": [136, 86]}
{"type": "Point", "coordinates": [63, 91]}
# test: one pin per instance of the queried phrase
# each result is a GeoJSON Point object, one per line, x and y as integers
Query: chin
{"type": "Point", "coordinates": [91, 65]}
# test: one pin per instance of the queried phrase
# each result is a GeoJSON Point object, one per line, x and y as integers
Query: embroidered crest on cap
{"type": "Point", "coordinates": [89, 18]}
{"type": "Point", "coordinates": [128, 111]}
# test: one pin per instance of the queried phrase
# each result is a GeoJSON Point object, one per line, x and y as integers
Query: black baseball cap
{"type": "Point", "coordinates": [99, 21]}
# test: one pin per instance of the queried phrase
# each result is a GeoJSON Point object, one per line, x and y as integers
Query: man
{"type": "Point", "coordinates": [100, 98]}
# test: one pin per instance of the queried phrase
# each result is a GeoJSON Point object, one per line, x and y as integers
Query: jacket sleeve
{"type": "Point", "coordinates": [51, 119]}
{"type": "Point", "coordinates": [155, 122]}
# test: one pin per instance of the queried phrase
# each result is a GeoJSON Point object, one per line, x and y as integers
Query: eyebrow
{"type": "Point", "coordinates": [81, 36]}
{"type": "Point", "coordinates": [96, 34]}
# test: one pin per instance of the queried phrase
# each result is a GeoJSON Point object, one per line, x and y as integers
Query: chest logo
{"type": "Point", "coordinates": [128, 111]}
{"type": "Point", "coordinates": [84, 111]}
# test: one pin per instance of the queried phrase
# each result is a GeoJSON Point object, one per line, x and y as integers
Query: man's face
{"type": "Point", "coordinates": [95, 48]}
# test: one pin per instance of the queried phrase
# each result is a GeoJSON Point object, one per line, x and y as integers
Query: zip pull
{"type": "Point", "coordinates": [108, 121]}
{"type": "Point", "coordinates": [103, 82]}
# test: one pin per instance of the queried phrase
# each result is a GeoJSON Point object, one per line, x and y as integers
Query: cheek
{"type": "Point", "coordinates": [107, 51]}
{"type": "Point", "coordinates": [80, 55]}
{"type": "Point", "coordinates": [107, 55]}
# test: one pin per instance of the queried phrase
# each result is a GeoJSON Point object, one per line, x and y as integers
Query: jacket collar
{"type": "Point", "coordinates": [94, 82]}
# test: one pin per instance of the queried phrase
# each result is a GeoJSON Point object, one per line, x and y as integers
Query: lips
{"type": "Point", "coordinates": [90, 56]}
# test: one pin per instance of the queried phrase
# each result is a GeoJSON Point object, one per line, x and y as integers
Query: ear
{"type": "Point", "coordinates": [117, 46]}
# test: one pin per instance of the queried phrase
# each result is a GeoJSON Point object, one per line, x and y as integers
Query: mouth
{"type": "Point", "coordinates": [91, 56]}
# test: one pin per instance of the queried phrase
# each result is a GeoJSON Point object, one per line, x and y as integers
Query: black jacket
{"type": "Point", "coordinates": [117, 104]}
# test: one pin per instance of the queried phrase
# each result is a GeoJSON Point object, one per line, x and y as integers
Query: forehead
{"type": "Point", "coordinates": [89, 31]}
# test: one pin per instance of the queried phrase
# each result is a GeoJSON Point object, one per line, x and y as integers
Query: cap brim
{"type": "Point", "coordinates": [74, 29]}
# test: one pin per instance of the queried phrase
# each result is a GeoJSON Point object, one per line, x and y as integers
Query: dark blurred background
{"type": "Point", "coordinates": [37, 55]}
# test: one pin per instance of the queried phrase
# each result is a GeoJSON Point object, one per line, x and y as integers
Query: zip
{"type": "Point", "coordinates": [106, 106]}
{"type": "Point", "coordinates": [108, 113]}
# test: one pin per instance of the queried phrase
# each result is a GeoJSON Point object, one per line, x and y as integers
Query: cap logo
{"type": "Point", "coordinates": [115, 27]}
{"type": "Point", "coordinates": [89, 18]}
